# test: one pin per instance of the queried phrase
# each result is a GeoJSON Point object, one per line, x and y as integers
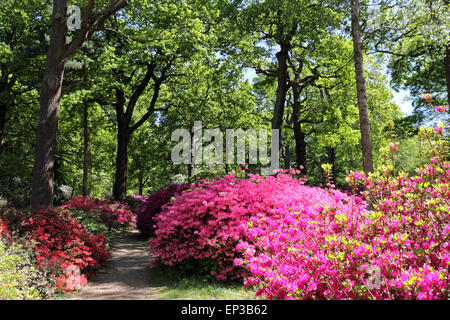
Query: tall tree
{"type": "Point", "coordinates": [85, 185]}
{"type": "Point", "coordinates": [361, 88]}
{"type": "Point", "coordinates": [57, 56]}
{"type": "Point", "coordinates": [413, 37]}
{"type": "Point", "coordinates": [281, 26]}
{"type": "Point", "coordinates": [144, 51]}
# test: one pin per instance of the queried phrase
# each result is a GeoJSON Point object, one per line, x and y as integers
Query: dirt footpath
{"type": "Point", "coordinates": [127, 276]}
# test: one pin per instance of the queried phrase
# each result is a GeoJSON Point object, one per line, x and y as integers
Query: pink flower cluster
{"type": "Point", "coordinates": [331, 251]}
{"type": "Point", "coordinates": [114, 214]}
{"type": "Point", "coordinates": [442, 108]}
{"type": "Point", "coordinates": [427, 97]}
{"type": "Point", "coordinates": [202, 227]}
{"type": "Point", "coordinates": [71, 280]}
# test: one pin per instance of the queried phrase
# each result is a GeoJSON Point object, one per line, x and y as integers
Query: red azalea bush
{"type": "Point", "coordinates": [3, 229]}
{"type": "Point", "coordinates": [202, 227]}
{"type": "Point", "coordinates": [152, 205]}
{"type": "Point", "coordinates": [114, 214]}
{"type": "Point", "coordinates": [61, 244]}
{"type": "Point", "coordinates": [399, 250]}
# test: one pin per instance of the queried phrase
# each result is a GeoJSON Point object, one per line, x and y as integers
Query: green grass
{"type": "Point", "coordinates": [171, 285]}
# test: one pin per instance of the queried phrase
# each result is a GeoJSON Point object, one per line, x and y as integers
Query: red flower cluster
{"type": "Point", "coordinates": [114, 214]}
{"type": "Point", "coordinates": [152, 206]}
{"type": "Point", "coordinates": [60, 242]}
{"type": "Point", "coordinates": [3, 229]}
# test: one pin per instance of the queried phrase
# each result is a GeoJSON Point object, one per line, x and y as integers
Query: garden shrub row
{"type": "Point", "coordinates": [113, 214]}
{"type": "Point", "coordinates": [201, 228]}
{"type": "Point", "coordinates": [399, 250]}
{"type": "Point", "coordinates": [59, 249]}
{"type": "Point", "coordinates": [287, 240]}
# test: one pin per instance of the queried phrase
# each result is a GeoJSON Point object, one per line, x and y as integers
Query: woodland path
{"type": "Point", "coordinates": [127, 276]}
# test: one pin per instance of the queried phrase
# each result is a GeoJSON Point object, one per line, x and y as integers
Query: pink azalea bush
{"type": "Point", "coordinates": [398, 250]}
{"type": "Point", "coordinates": [71, 280]}
{"type": "Point", "coordinates": [152, 205]}
{"type": "Point", "coordinates": [201, 228]}
{"type": "Point", "coordinates": [114, 214]}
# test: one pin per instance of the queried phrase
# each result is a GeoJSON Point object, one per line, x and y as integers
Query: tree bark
{"type": "Point", "coordinates": [331, 152]}
{"type": "Point", "coordinates": [50, 95]}
{"type": "Point", "coordinates": [300, 143]}
{"type": "Point", "coordinates": [361, 89]}
{"type": "Point", "coordinates": [287, 157]}
{"type": "Point", "coordinates": [85, 185]}
{"type": "Point", "coordinates": [85, 188]}
{"type": "Point", "coordinates": [2, 123]}
{"type": "Point", "coordinates": [447, 70]}
{"type": "Point", "coordinates": [141, 182]}
{"type": "Point", "coordinates": [282, 89]}
{"type": "Point", "coordinates": [120, 183]}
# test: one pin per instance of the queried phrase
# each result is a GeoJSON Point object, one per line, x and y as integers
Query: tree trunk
{"type": "Point", "coordinates": [141, 182]}
{"type": "Point", "coordinates": [50, 95]}
{"type": "Point", "coordinates": [361, 89]}
{"type": "Point", "coordinates": [2, 123]}
{"type": "Point", "coordinates": [120, 182]}
{"type": "Point", "coordinates": [300, 143]}
{"type": "Point", "coordinates": [282, 88]}
{"type": "Point", "coordinates": [6, 101]}
{"type": "Point", "coordinates": [85, 187]}
{"type": "Point", "coordinates": [447, 70]}
{"type": "Point", "coordinates": [300, 148]}
{"type": "Point", "coordinates": [287, 157]}
{"type": "Point", "coordinates": [331, 152]}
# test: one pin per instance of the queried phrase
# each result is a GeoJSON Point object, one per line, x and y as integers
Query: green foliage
{"type": "Point", "coordinates": [412, 36]}
{"type": "Point", "coordinates": [207, 49]}
{"type": "Point", "coordinates": [91, 222]}
{"type": "Point", "coordinates": [17, 273]}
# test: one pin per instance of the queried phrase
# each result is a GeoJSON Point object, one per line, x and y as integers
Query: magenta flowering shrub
{"type": "Point", "coordinates": [327, 253]}
{"type": "Point", "coordinates": [398, 250]}
{"type": "Point", "coordinates": [201, 228]}
{"type": "Point", "coordinates": [152, 206]}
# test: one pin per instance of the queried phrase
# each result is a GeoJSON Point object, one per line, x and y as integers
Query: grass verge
{"type": "Point", "coordinates": [171, 285]}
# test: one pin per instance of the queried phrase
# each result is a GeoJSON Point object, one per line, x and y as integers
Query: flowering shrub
{"type": "Point", "coordinates": [71, 280]}
{"type": "Point", "coordinates": [3, 229]}
{"type": "Point", "coordinates": [334, 253]}
{"type": "Point", "coordinates": [152, 205]}
{"type": "Point", "coordinates": [202, 227]}
{"type": "Point", "coordinates": [113, 214]}
{"type": "Point", "coordinates": [59, 242]}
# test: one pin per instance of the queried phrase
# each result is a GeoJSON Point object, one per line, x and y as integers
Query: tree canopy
{"type": "Point", "coordinates": [92, 108]}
